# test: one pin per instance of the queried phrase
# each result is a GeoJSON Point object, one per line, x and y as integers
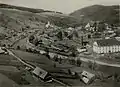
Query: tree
{"type": "Point", "coordinates": [79, 62]}
{"type": "Point", "coordinates": [115, 76]}
{"type": "Point", "coordinates": [101, 27]}
{"type": "Point", "coordinates": [47, 50]}
{"type": "Point", "coordinates": [56, 58]}
{"type": "Point", "coordinates": [75, 33]}
{"type": "Point", "coordinates": [76, 75]}
{"type": "Point", "coordinates": [18, 47]}
{"type": "Point", "coordinates": [69, 71]}
{"type": "Point", "coordinates": [73, 49]}
{"type": "Point", "coordinates": [70, 36]}
{"type": "Point", "coordinates": [47, 53]}
{"type": "Point", "coordinates": [60, 35]}
{"type": "Point", "coordinates": [95, 25]}
{"type": "Point", "coordinates": [36, 42]}
{"type": "Point", "coordinates": [31, 38]}
{"type": "Point", "coordinates": [92, 66]}
{"type": "Point", "coordinates": [73, 61]}
{"type": "Point", "coordinates": [54, 65]}
{"type": "Point", "coordinates": [66, 34]}
{"type": "Point", "coordinates": [60, 60]}
{"type": "Point", "coordinates": [4, 45]}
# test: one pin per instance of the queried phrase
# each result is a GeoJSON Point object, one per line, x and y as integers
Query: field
{"type": "Point", "coordinates": [47, 64]}
{"type": "Point", "coordinates": [6, 82]}
{"type": "Point", "coordinates": [61, 69]}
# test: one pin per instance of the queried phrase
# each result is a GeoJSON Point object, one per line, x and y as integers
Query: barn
{"type": "Point", "coordinates": [42, 74]}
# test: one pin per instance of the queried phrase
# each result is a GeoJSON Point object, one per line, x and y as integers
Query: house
{"type": "Point", "coordinates": [87, 77]}
{"type": "Point", "coordinates": [42, 51]}
{"type": "Point", "coordinates": [91, 26]}
{"type": "Point", "coordinates": [80, 50]}
{"type": "Point", "coordinates": [106, 46]}
{"type": "Point", "coordinates": [48, 25]}
{"type": "Point", "coordinates": [70, 29]}
{"type": "Point", "coordinates": [40, 73]}
{"type": "Point", "coordinates": [52, 55]}
{"type": "Point", "coordinates": [1, 51]}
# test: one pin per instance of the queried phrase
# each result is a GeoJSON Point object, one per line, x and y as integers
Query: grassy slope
{"type": "Point", "coordinates": [24, 14]}
{"type": "Point", "coordinates": [39, 60]}
{"type": "Point", "coordinates": [33, 10]}
{"type": "Point", "coordinates": [46, 64]}
{"type": "Point", "coordinates": [16, 19]}
{"type": "Point", "coordinates": [6, 82]}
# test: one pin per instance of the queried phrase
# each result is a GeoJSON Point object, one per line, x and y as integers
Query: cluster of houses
{"type": "Point", "coordinates": [85, 76]}
{"type": "Point", "coordinates": [105, 42]}
{"type": "Point", "coordinates": [104, 36]}
{"type": "Point", "coordinates": [109, 43]}
{"type": "Point", "coordinates": [98, 26]}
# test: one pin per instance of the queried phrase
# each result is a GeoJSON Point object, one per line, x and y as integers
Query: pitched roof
{"type": "Point", "coordinates": [40, 72]}
{"type": "Point", "coordinates": [108, 42]}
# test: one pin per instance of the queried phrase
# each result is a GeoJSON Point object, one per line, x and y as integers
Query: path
{"type": "Point", "coordinates": [28, 65]}
{"type": "Point", "coordinates": [99, 62]}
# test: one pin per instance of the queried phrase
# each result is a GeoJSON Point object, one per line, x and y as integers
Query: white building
{"type": "Point", "coordinates": [106, 46]}
{"type": "Point", "coordinates": [90, 26]}
{"type": "Point", "coordinates": [48, 25]}
{"type": "Point", "coordinates": [1, 51]}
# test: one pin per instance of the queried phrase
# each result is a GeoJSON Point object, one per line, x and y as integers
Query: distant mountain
{"type": "Point", "coordinates": [21, 8]}
{"type": "Point", "coordinates": [33, 10]}
{"type": "Point", "coordinates": [109, 14]}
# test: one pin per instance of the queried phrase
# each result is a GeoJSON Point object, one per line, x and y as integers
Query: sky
{"type": "Point", "coordinates": [65, 6]}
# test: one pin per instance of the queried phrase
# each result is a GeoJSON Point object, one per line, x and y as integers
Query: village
{"type": "Point", "coordinates": [81, 47]}
{"type": "Point", "coordinates": [41, 53]}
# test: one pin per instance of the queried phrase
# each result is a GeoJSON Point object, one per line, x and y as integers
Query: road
{"type": "Point", "coordinates": [99, 62]}
{"type": "Point", "coordinates": [18, 58]}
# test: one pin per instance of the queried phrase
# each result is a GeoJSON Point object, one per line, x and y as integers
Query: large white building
{"type": "Point", "coordinates": [106, 46]}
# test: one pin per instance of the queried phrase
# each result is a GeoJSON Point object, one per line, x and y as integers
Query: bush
{"type": "Point", "coordinates": [55, 58]}
{"type": "Point", "coordinates": [92, 66]}
{"type": "Point", "coordinates": [69, 71]}
{"type": "Point", "coordinates": [18, 47]}
{"type": "Point", "coordinates": [4, 45]}
{"type": "Point", "coordinates": [79, 62]}
{"type": "Point", "coordinates": [60, 60]}
{"type": "Point", "coordinates": [54, 65]}
{"type": "Point", "coordinates": [76, 75]}
{"type": "Point", "coordinates": [72, 61]}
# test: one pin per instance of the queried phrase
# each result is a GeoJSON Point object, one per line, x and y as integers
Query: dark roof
{"type": "Point", "coordinates": [108, 42]}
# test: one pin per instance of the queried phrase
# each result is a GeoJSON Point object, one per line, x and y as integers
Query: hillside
{"type": "Point", "coordinates": [17, 22]}
{"type": "Point", "coordinates": [60, 20]}
{"type": "Point", "coordinates": [6, 82]}
{"type": "Point", "coordinates": [33, 10]}
{"type": "Point", "coordinates": [109, 14]}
